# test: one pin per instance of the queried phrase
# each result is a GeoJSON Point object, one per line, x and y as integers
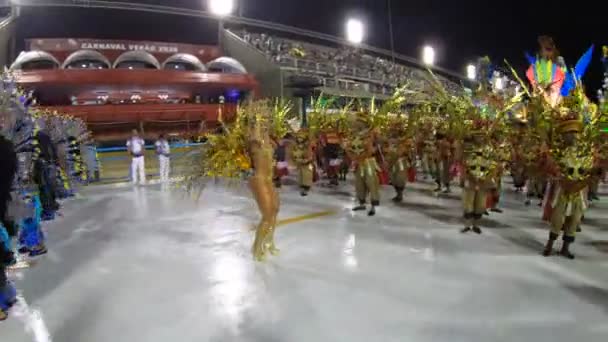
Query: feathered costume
{"type": "Point", "coordinates": [559, 110]}
{"type": "Point", "coordinates": [599, 135]}
{"type": "Point", "coordinates": [362, 144]}
{"type": "Point", "coordinates": [13, 137]}
{"type": "Point", "coordinates": [470, 124]}
{"type": "Point", "coordinates": [303, 156]}
{"type": "Point", "coordinates": [572, 160]}
{"type": "Point", "coordinates": [398, 147]}
{"type": "Point", "coordinates": [545, 73]}
{"type": "Point", "coordinates": [28, 140]}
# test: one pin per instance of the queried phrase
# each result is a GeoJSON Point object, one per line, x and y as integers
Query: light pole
{"type": "Point", "coordinates": [428, 55]}
{"type": "Point", "coordinates": [221, 9]}
{"type": "Point", "coordinates": [355, 31]}
{"type": "Point", "coordinates": [390, 29]}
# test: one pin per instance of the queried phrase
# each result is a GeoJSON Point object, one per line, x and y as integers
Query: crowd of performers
{"type": "Point", "coordinates": [545, 133]}
{"type": "Point", "coordinates": [42, 160]}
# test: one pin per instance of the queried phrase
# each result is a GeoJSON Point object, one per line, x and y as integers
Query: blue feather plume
{"type": "Point", "coordinates": [577, 74]}
{"type": "Point", "coordinates": [531, 59]}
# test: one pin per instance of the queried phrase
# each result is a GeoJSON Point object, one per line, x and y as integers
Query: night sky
{"type": "Point", "coordinates": [461, 31]}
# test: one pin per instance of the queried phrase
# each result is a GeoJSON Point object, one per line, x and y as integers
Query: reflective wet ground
{"type": "Point", "coordinates": [146, 264]}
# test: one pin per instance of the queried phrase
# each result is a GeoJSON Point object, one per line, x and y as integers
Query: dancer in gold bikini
{"type": "Point", "coordinates": [261, 185]}
{"type": "Point", "coordinates": [245, 149]}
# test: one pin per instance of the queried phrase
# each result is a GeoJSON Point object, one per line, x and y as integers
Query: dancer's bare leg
{"type": "Point", "coordinates": [263, 191]}
{"type": "Point", "coordinates": [270, 242]}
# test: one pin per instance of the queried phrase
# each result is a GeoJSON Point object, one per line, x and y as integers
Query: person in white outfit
{"type": "Point", "coordinates": [163, 151]}
{"type": "Point", "coordinates": [136, 146]}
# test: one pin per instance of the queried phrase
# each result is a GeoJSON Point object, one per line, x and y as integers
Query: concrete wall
{"type": "Point", "coordinates": [266, 73]}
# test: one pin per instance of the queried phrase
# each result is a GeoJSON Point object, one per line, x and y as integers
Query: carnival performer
{"type": "Point", "coordinates": [303, 156]}
{"type": "Point", "coordinates": [57, 130]}
{"type": "Point", "coordinates": [78, 135]}
{"type": "Point", "coordinates": [398, 153]}
{"type": "Point", "coordinates": [45, 159]}
{"type": "Point", "coordinates": [25, 211]}
{"type": "Point", "coordinates": [443, 161]}
{"type": "Point", "coordinates": [517, 164]}
{"type": "Point", "coordinates": [536, 166]}
{"type": "Point", "coordinates": [281, 168]}
{"type": "Point", "coordinates": [31, 237]}
{"type": "Point", "coordinates": [551, 82]}
{"type": "Point", "coordinates": [573, 162]}
{"type": "Point", "coordinates": [8, 168]}
{"type": "Point", "coordinates": [245, 149]}
{"type": "Point", "coordinates": [600, 161]}
{"type": "Point", "coordinates": [502, 155]}
{"type": "Point", "coordinates": [344, 165]}
{"type": "Point", "coordinates": [267, 198]}
{"type": "Point", "coordinates": [601, 140]}
{"type": "Point", "coordinates": [77, 166]}
{"type": "Point", "coordinates": [478, 177]}
{"type": "Point", "coordinates": [328, 130]}
{"type": "Point", "coordinates": [545, 72]}
{"type": "Point", "coordinates": [136, 147]}
{"type": "Point", "coordinates": [163, 151]}
{"type": "Point", "coordinates": [360, 147]}
{"type": "Point", "coordinates": [427, 150]}
{"type": "Point", "coordinates": [332, 155]}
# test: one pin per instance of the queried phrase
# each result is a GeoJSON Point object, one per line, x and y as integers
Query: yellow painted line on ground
{"type": "Point", "coordinates": [296, 219]}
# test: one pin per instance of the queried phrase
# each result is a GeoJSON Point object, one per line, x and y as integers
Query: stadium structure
{"type": "Point", "coordinates": [179, 89]}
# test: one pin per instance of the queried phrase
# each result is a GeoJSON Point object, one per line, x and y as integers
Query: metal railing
{"type": "Point", "coordinates": [130, 6]}
{"type": "Point", "coordinates": [6, 18]}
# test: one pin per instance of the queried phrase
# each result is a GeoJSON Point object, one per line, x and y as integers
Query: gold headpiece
{"type": "Point", "coordinates": [570, 123]}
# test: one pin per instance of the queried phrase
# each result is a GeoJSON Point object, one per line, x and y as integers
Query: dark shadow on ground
{"type": "Point", "coordinates": [288, 182]}
{"type": "Point", "coordinates": [429, 191]}
{"type": "Point", "coordinates": [591, 294]}
{"type": "Point", "coordinates": [525, 241]}
{"type": "Point", "coordinates": [600, 245]}
{"type": "Point", "coordinates": [419, 206]}
{"type": "Point", "coordinates": [338, 193]}
{"type": "Point", "coordinates": [436, 212]}
{"type": "Point", "coordinates": [595, 223]}
{"type": "Point", "coordinates": [489, 223]}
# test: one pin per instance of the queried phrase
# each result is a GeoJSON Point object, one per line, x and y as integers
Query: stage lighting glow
{"type": "Point", "coordinates": [471, 72]}
{"type": "Point", "coordinates": [499, 84]}
{"type": "Point", "coordinates": [221, 8]}
{"type": "Point", "coordinates": [354, 31]}
{"type": "Point", "coordinates": [428, 55]}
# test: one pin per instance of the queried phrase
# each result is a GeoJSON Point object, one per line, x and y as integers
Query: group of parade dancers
{"type": "Point", "coordinates": [434, 157]}
{"type": "Point", "coordinates": [41, 162]}
{"type": "Point", "coordinates": [547, 134]}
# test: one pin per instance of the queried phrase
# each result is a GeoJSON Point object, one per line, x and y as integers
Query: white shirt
{"type": "Point", "coordinates": [162, 147]}
{"type": "Point", "coordinates": [136, 144]}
